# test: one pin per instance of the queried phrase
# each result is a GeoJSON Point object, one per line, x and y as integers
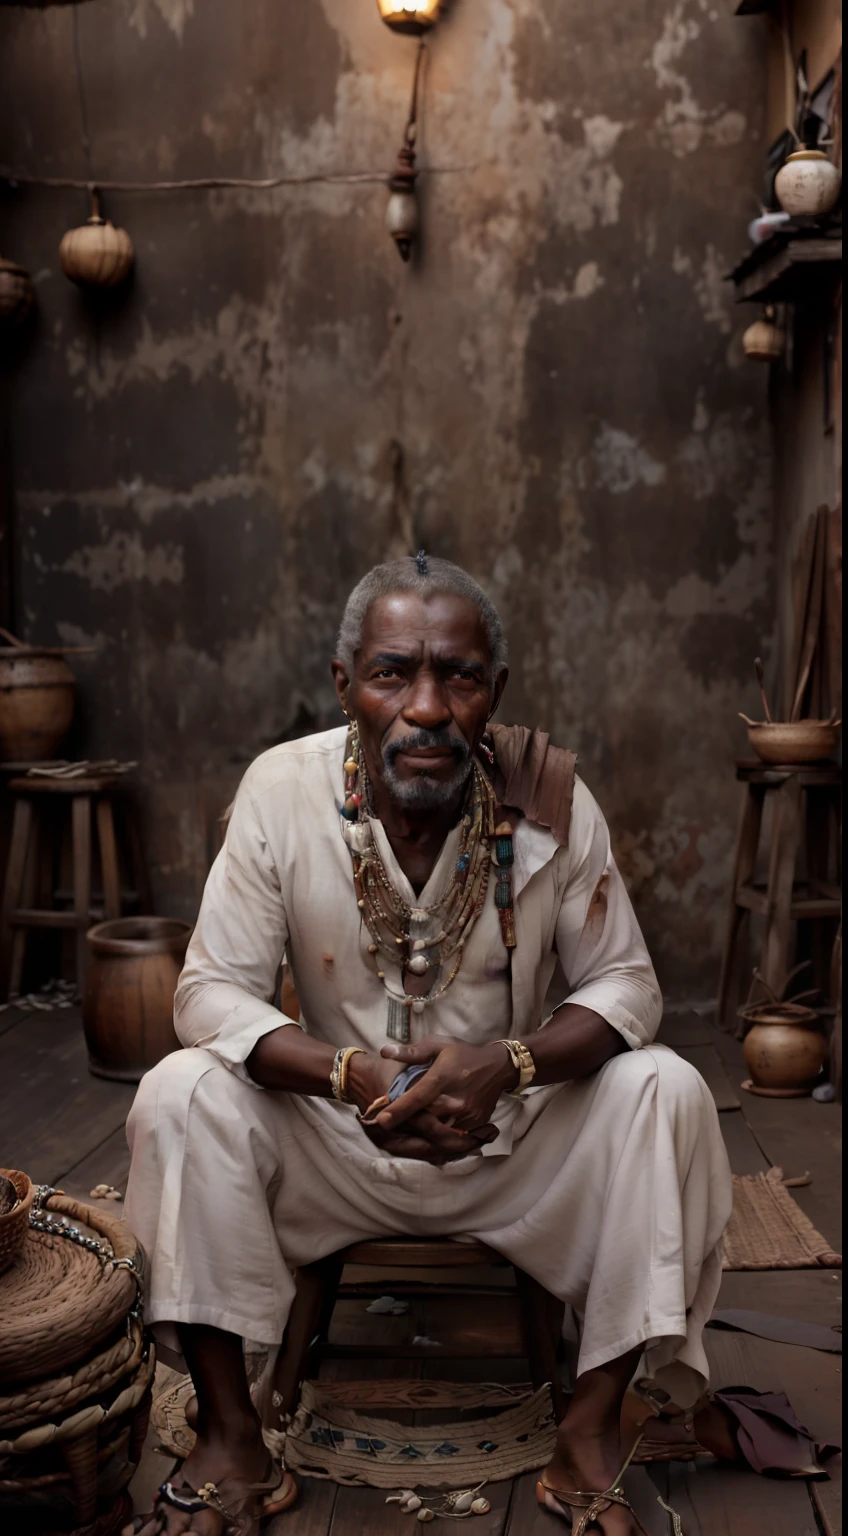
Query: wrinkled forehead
{"type": "Point", "coordinates": [414, 623]}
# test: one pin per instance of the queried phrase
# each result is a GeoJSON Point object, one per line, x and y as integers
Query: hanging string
{"type": "Point", "coordinates": [412, 120]}
{"type": "Point", "coordinates": [85, 137]}
{"type": "Point", "coordinates": [211, 183]}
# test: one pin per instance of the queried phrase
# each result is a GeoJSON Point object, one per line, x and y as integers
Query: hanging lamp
{"type": "Point", "coordinates": [409, 16]}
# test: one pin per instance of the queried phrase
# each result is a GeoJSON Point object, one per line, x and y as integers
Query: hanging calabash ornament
{"type": "Point", "coordinates": [16, 294]}
{"type": "Point", "coordinates": [96, 254]}
{"type": "Point", "coordinates": [764, 341]}
{"type": "Point", "coordinates": [402, 219]}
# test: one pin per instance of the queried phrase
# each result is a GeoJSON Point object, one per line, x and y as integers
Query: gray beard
{"type": "Point", "coordinates": [424, 793]}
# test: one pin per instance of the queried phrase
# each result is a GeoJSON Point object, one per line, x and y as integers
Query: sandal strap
{"type": "Point", "coordinates": [191, 1501]}
{"type": "Point", "coordinates": [600, 1507]}
{"type": "Point", "coordinates": [187, 1500]}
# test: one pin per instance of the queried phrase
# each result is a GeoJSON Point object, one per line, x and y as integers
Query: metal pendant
{"type": "Point", "coordinates": [397, 1021]}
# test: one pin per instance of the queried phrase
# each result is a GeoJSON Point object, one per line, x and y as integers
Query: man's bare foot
{"type": "Point", "coordinates": [588, 1461]}
{"type": "Point", "coordinates": [236, 1461]}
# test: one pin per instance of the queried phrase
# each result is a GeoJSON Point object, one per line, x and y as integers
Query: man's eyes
{"type": "Point", "coordinates": [456, 674]}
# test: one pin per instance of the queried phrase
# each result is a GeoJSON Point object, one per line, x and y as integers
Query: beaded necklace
{"type": "Point", "coordinates": [425, 943]}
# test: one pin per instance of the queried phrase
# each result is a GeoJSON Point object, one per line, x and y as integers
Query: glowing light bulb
{"type": "Point", "coordinates": [414, 16]}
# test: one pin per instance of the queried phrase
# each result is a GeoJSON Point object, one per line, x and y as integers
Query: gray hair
{"type": "Point", "coordinates": [417, 573]}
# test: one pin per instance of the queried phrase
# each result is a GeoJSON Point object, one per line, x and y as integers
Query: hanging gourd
{"type": "Point", "coordinates": [16, 294]}
{"type": "Point", "coordinates": [96, 254]}
{"type": "Point", "coordinates": [765, 340]}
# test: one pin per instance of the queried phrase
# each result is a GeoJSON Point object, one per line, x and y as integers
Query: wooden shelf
{"type": "Point", "coordinates": [785, 268]}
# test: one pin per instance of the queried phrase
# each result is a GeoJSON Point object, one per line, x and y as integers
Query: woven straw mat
{"type": "Point", "coordinates": [58, 1302]}
{"type": "Point", "coordinates": [767, 1230]}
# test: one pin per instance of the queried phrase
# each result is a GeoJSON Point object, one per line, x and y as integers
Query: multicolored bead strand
{"type": "Point", "coordinates": [504, 858]}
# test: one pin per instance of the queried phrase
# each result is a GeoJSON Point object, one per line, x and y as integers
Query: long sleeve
{"type": "Point", "coordinates": [598, 939]}
{"type": "Point", "coordinates": [225, 995]}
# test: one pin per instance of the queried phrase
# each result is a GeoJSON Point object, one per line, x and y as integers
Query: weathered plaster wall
{"type": "Point", "coordinates": [203, 468]}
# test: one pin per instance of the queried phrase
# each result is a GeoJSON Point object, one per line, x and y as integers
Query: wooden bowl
{"type": "Point", "coordinates": [793, 741]}
{"type": "Point", "coordinates": [14, 1224]}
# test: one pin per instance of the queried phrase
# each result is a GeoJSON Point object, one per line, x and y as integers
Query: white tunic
{"type": "Point", "coordinates": [612, 1190]}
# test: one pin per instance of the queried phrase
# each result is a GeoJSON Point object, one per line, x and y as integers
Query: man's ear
{"type": "Point", "coordinates": [342, 682]}
{"type": "Point", "coordinates": [498, 690]}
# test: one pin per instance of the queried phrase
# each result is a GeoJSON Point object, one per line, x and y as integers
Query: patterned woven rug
{"type": "Point", "coordinates": [768, 1230]}
{"type": "Point", "coordinates": [328, 1441]}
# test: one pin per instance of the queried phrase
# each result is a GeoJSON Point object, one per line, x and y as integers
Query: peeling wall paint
{"type": "Point", "coordinates": [203, 463]}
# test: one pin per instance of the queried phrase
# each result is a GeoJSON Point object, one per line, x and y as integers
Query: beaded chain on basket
{"type": "Point", "coordinates": [42, 1220]}
{"type": "Point", "coordinates": [425, 943]}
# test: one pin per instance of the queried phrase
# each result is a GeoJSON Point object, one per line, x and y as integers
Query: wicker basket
{"type": "Point", "coordinates": [76, 1369]}
{"type": "Point", "coordinates": [59, 1304]}
{"type": "Point", "coordinates": [15, 1223]}
{"type": "Point", "coordinates": [68, 1458]}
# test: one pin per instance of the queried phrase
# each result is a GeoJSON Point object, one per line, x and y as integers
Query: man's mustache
{"type": "Point", "coordinates": [417, 741]}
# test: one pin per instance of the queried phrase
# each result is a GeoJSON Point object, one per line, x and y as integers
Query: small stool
{"type": "Point", "coordinates": [318, 1288]}
{"type": "Point", "coordinates": [37, 831]}
{"type": "Point", "coordinates": [803, 882]}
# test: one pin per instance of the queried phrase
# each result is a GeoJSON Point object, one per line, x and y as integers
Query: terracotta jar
{"type": "Point", "coordinates": [128, 1008]}
{"type": "Point", "coordinates": [36, 701]}
{"type": "Point", "coordinates": [807, 183]}
{"type": "Point", "coordinates": [784, 1048]}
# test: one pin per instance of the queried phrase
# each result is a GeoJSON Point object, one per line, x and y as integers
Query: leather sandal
{"type": "Point", "coordinates": [196, 1501]}
{"type": "Point", "coordinates": [561, 1501]}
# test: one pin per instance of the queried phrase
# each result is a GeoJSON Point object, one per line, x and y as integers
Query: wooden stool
{"type": "Point", "coordinates": [318, 1288]}
{"type": "Point", "coordinates": [803, 882]}
{"type": "Point", "coordinates": [34, 854]}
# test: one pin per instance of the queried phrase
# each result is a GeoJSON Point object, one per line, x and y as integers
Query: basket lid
{"type": "Point", "coordinates": [58, 1300]}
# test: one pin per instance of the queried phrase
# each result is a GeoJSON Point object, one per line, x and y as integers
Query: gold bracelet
{"type": "Point", "coordinates": [339, 1073]}
{"type": "Point", "coordinates": [523, 1062]}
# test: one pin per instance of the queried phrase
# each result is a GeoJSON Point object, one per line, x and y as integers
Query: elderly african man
{"type": "Point", "coordinates": [421, 872]}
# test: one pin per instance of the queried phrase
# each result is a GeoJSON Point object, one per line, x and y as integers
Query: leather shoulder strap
{"type": "Point", "coordinates": [534, 776]}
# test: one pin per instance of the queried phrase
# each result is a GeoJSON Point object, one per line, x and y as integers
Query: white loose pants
{"type": "Point", "coordinates": [615, 1199]}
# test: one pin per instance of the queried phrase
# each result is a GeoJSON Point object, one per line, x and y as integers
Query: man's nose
{"type": "Point", "coordinates": [426, 703]}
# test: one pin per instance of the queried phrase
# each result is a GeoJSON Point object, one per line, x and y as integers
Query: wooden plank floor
{"type": "Point", "coordinates": [65, 1126]}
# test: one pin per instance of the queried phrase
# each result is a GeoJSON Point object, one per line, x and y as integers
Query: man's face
{"type": "Point", "coordinates": [421, 693]}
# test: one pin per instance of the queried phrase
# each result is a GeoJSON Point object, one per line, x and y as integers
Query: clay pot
{"type": "Point", "coordinates": [793, 741]}
{"type": "Point", "coordinates": [764, 341]}
{"type": "Point", "coordinates": [96, 254]}
{"type": "Point", "coordinates": [36, 702]}
{"type": "Point", "coordinates": [807, 183]}
{"type": "Point", "coordinates": [16, 293]}
{"type": "Point", "coordinates": [784, 1048]}
{"type": "Point", "coordinates": [128, 1008]}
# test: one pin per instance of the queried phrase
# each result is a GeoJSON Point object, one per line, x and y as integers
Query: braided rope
{"type": "Point", "coordinates": [85, 1419]}
{"type": "Point", "coordinates": [46, 1399]}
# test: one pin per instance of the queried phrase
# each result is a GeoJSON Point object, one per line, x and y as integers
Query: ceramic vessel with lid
{"type": "Point", "coordinates": [807, 183]}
